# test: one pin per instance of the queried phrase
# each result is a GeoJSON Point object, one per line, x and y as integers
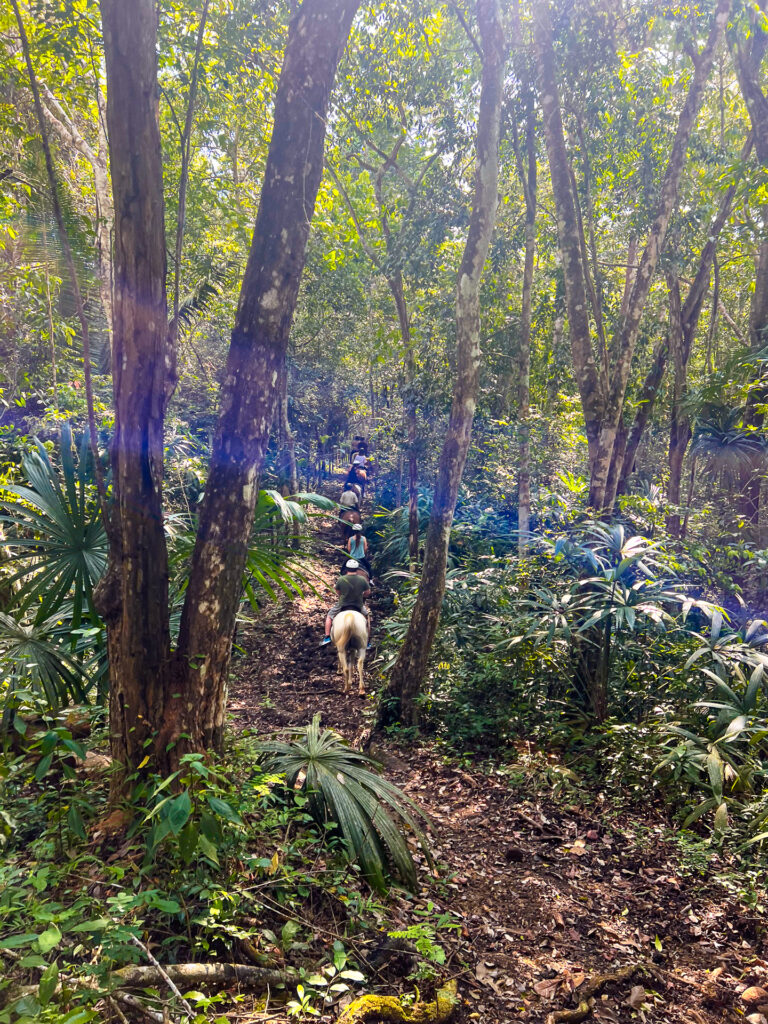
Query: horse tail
{"type": "Point", "coordinates": [351, 633]}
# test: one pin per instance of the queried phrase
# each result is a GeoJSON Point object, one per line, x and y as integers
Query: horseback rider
{"type": "Point", "coordinates": [357, 545]}
{"type": "Point", "coordinates": [353, 587]}
{"type": "Point", "coordinates": [349, 496]}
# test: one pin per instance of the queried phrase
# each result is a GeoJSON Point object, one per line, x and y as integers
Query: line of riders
{"type": "Point", "coordinates": [353, 587]}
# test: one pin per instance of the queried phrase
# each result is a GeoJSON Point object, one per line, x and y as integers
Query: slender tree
{"type": "Point", "coordinates": [603, 387]}
{"type": "Point", "coordinates": [527, 171]}
{"type": "Point", "coordinates": [748, 48]}
{"type": "Point", "coordinates": [133, 596]}
{"type": "Point", "coordinates": [411, 666]}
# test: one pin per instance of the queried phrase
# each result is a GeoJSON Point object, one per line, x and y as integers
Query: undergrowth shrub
{"type": "Point", "coordinates": [218, 862]}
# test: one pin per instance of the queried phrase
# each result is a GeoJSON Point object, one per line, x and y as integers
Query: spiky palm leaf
{"type": "Point", "coordinates": [34, 658]}
{"type": "Point", "coordinates": [726, 447]}
{"type": "Point", "coordinates": [55, 535]}
{"type": "Point", "coordinates": [343, 788]}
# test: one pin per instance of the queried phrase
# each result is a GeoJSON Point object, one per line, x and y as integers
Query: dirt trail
{"type": "Point", "coordinates": [550, 897]}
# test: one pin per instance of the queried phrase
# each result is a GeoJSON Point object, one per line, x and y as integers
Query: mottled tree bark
{"type": "Point", "coordinates": [317, 35]}
{"type": "Point", "coordinates": [133, 597]}
{"type": "Point", "coordinates": [646, 400]}
{"type": "Point", "coordinates": [410, 669]}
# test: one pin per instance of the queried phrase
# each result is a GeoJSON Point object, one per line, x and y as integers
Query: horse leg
{"type": "Point", "coordinates": [344, 666]}
{"type": "Point", "coordinates": [360, 663]}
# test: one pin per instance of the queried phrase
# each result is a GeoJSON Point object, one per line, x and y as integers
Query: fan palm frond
{"type": "Point", "coordinates": [342, 788]}
{"type": "Point", "coordinates": [727, 447]}
{"type": "Point", "coordinates": [34, 658]}
{"type": "Point", "coordinates": [54, 533]}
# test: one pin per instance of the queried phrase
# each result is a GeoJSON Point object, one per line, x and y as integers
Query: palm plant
{"type": "Point", "coordinates": [35, 659]}
{"type": "Point", "coordinates": [342, 788]}
{"type": "Point", "coordinates": [54, 534]}
{"type": "Point", "coordinates": [618, 586]}
{"type": "Point", "coordinates": [726, 447]}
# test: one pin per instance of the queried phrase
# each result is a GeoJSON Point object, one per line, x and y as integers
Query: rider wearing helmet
{"type": "Point", "coordinates": [353, 587]}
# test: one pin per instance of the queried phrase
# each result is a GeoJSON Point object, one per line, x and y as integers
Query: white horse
{"type": "Point", "coordinates": [349, 634]}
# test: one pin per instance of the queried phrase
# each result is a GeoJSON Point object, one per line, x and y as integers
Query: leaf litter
{"type": "Point", "coordinates": [565, 913]}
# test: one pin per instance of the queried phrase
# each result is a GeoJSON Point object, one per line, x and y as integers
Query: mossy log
{"type": "Point", "coordinates": [372, 1009]}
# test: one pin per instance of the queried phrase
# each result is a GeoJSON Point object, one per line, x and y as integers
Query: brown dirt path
{"type": "Point", "coordinates": [549, 896]}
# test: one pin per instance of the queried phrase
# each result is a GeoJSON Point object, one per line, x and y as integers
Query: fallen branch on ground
{"type": "Point", "coordinates": [163, 974]}
{"type": "Point", "coordinates": [200, 975]}
{"type": "Point", "coordinates": [583, 1010]}
{"type": "Point", "coordinates": [370, 1008]}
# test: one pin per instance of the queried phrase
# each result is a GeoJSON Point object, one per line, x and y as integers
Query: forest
{"type": "Point", "coordinates": [383, 511]}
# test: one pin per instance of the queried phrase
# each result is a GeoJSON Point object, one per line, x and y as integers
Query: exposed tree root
{"type": "Point", "coordinates": [201, 975]}
{"type": "Point", "coordinates": [374, 1009]}
{"type": "Point", "coordinates": [591, 988]}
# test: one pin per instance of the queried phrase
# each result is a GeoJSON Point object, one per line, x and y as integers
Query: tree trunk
{"type": "Point", "coordinates": [747, 58]}
{"type": "Point", "coordinates": [645, 403]}
{"type": "Point", "coordinates": [528, 181]}
{"type": "Point", "coordinates": [585, 369]}
{"type": "Point", "coordinates": [679, 426]}
{"type": "Point", "coordinates": [617, 463]}
{"type": "Point", "coordinates": [411, 667]}
{"type": "Point", "coordinates": [316, 38]}
{"type": "Point", "coordinates": [603, 399]}
{"type": "Point", "coordinates": [395, 282]}
{"type": "Point", "coordinates": [626, 337]}
{"type": "Point", "coordinates": [688, 315]}
{"type": "Point", "coordinates": [133, 597]}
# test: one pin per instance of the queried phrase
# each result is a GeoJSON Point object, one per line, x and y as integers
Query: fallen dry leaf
{"type": "Point", "coordinates": [636, 997]}
{"type": "Point", "coordinates": [546, 988]}
{"type": "Point", "coordinates": [754, 994]}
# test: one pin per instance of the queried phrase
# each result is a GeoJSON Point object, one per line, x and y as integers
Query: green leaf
{"type": "Point", "coordinates": [17, 941]}
{"type": "Point", "coordinates": [206, 847]}
{"type": "Point", "coordinates": [721, 818]}
{"type": "Point", "coordinates": [188, 841]}
{"type": "Point", "coordinates": [48, 982]}
{"type": "Point", "coordinates": [98, 924]}
{"type": "Point", "coordinates": [167, 906]}
{"type": "Point", "coordinates": [42, 766]}
{"type": "Point", "coordinates": [79, 1016]}
{"type": "Point", "coordinates": [75, 822]}
{"type": "Point", "coordinates": [222, 808]}
{"type": "Point", "coordinates": [289, 932]}
{"type": "Point", "coordinates": [657, 943]}
{"type": "Point", "coordinates": [49, 939]}
{"type": "Point", "coordinates": [179, 811]}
